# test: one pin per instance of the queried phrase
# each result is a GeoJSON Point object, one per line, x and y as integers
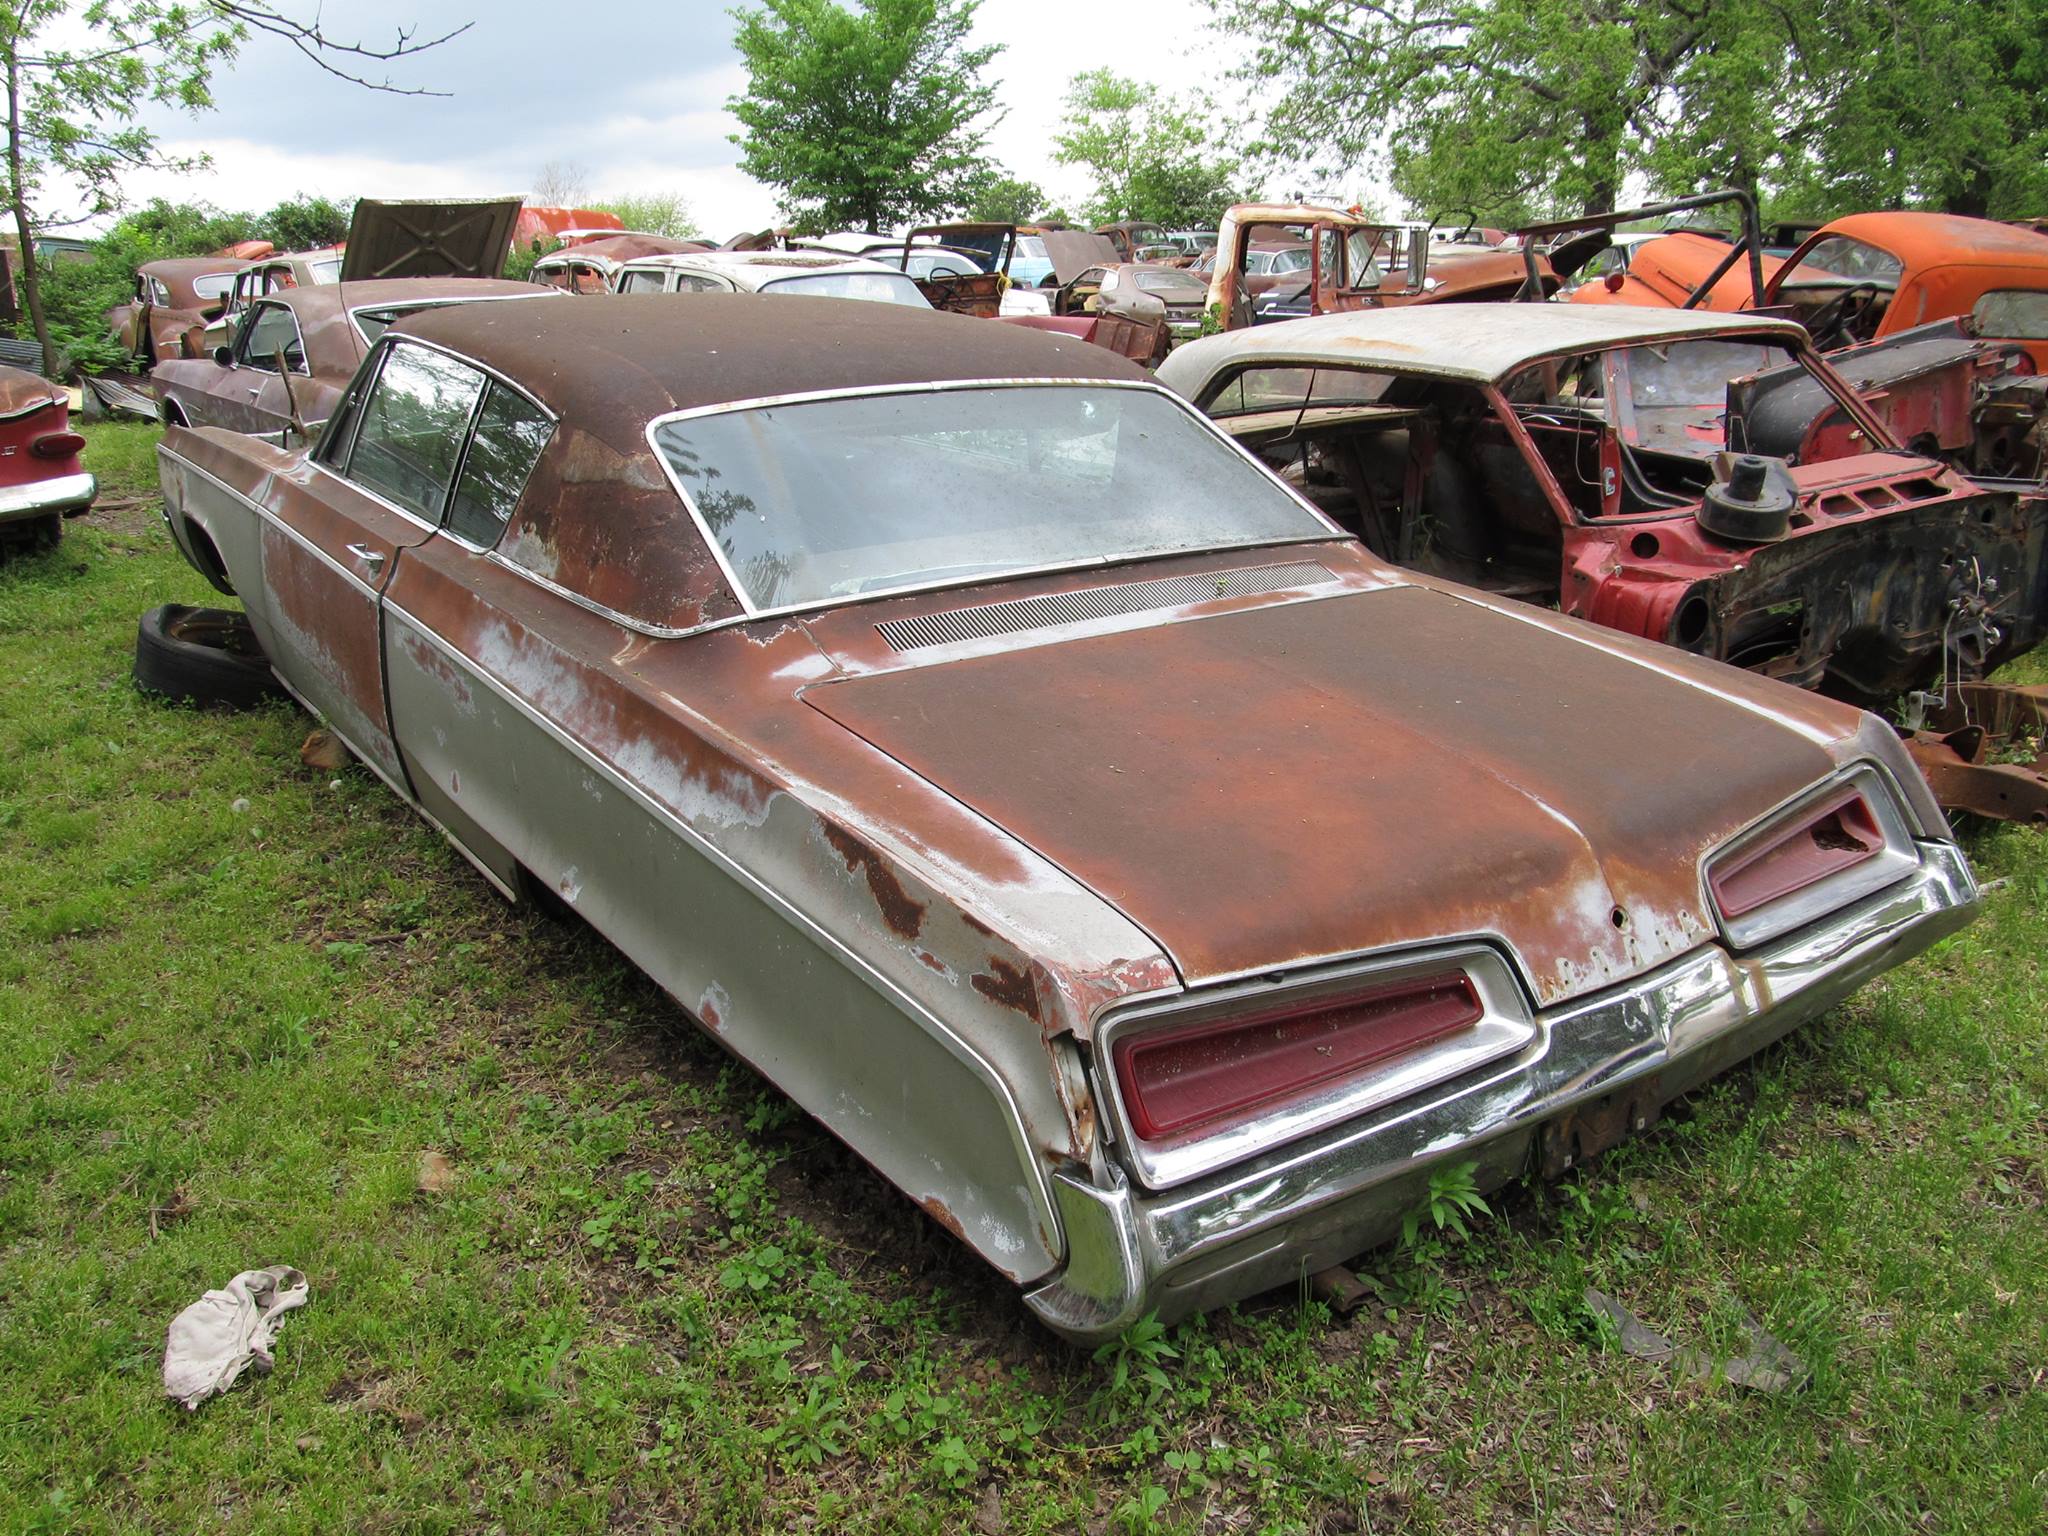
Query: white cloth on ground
{"type": "Point", "coordinates": [215, 1339]}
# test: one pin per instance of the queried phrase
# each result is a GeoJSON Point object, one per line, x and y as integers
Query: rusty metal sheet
{"type": "Point", "coordinates": [428, 237]}
{"type": "Point", "coordinates": [1301, 781]}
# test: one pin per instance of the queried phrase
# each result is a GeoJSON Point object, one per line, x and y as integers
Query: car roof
{"type": "Point", "coordinates": [189, 267]}
{"type": "Point", "coordinates": [1944, 239]}
{"type": "Point", "coordinates": [613, 363]}
{"type": "Point", "coordinates": [735, 262]}
{"type": "Point", "coordinates": [1476, 342]}
{"type": "Point", "coordinates": [378, 292]}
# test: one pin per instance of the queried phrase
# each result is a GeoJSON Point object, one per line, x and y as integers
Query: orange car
{"type": "Point", "coordinates": [1866, 277]}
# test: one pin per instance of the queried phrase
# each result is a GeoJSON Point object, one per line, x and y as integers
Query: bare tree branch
{"type": "Point", "coordinates": [312, 40]}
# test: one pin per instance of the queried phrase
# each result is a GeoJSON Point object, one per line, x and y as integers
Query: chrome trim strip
{"type": "Point", "coordinates": [942, 386]}
{"type": "Point", "coordinates": [769, 896]}
{"type": "Point", "coordinates": [1322, 1202]}
{"type": "Point", "coordinates": [60, 493]}
{"type": "Point", "coordinates": [41, 405]}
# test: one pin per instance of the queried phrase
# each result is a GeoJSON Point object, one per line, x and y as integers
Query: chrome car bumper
{"type": "Point", "coordinates": [39, 498]}
{"type": "Point", "coordinates": [1621, 1054]}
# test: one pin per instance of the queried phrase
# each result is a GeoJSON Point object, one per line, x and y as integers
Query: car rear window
{"type": "Point", "coordinates": [412, 428]}
{"type": "Point", "coordinates": [2012, 314]}
{"type": "Point", "coordinates": [826, 500]}
{"type": "Point", "coordinates": [877, 287]}
{"type": "Point", "coordinates": [215, 285]}
{"type": "Point", "coordinates": [1278, 389]}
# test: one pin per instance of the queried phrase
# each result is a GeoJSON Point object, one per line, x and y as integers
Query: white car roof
{"type": "Point", "coordinates": [1479, 343]}
{"type": "Point", "coordinates": [756, 269]}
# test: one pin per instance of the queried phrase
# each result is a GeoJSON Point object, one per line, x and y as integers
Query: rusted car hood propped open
{"type": "Point", "coordinates": [1314, 779]}
{"type": "Point", "coordinates": [428, 238]}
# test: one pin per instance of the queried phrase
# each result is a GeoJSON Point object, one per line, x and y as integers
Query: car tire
{"type": "Point", "coordinates": [205, 656]}
{"type": "Point", "coordinates": [34, 535]}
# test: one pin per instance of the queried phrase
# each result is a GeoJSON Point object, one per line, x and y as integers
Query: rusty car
{"type": "Point", "coordinates": [272, 273]}
{"type": "Point", "coordinates": [783, 273]}
{"type": "Point", "coordinates": [1180, 293]}
{"type": "Point", "coordinates": [936, 710]}
{"type": "Point", "coordinates": [1638, 468]}
{"type": "Point", "coordinates": [592, 266]}
{"type": "Point", "coordinates": [42, 481]}
{"type": "Point", "coordinates": [1865, 277]}
{"type": "Point", "coordinates": [296, 350]}
{"type": "Point", "coordinates": [174, 300]}
{"type": "Point", "coordinates": [1354, 262]}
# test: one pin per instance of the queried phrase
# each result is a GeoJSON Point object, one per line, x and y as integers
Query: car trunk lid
{"type": "Point", "coordinates": [1301, 781]}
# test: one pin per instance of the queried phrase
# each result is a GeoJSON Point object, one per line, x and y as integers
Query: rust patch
{"type": "Point", "coordinates": [936, 1208]}
{"type": "Point", "coordinates": [1006, 985]}
{"type": "Point", "coordinates": [931, 962]}
{"type": "Point", "coordinates": [904, 916]}
{"type": "Point", "coordinates": [977, 925]}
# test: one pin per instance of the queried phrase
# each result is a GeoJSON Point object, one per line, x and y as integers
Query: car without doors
{"type": "Point", "coordinates": [1640, 468]}
{"type": "Point", "coordinates": [934, 708]}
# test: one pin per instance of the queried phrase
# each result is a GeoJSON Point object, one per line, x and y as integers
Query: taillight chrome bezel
{"type": "Point", "coordinates": [1506, 1026]}
{"type": "Point", "coordinates": [1896, 858]}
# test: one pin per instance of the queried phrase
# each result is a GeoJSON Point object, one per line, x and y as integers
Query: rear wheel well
{"type": "Point", "coordinates": [173, 414]}
{"type": "Point", "coordinates": [207, 557]}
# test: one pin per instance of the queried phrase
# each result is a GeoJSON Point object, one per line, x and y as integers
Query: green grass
{"type": "Point", "coordinates": [656, 1298]}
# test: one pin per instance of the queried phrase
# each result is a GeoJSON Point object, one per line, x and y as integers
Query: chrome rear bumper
{"type": "Point", "coordinates": [1321, 1201]}
{"type": "Point", "coordinates": [39, 498]}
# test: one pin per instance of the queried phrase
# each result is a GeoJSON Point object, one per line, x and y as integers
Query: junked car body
{"type": "Point", "coordinates": [787, 274]}
{"type": "Point", "coordinates": [174, 300]}
{"type": "Point", "coordinates": [271, 274]}
{"type": "Point", "coordinates": [1605, 462]}
{"type": "Point", "coordinates": [931, 708]}
{"type": "Point", "coordinates": [321, 334]}
{"type": "Point", "coordinates": [42, 481]}
{"type": "Point", "coordinates": [1180, 294]}
{"type": "Point", "coordinates": [1354, 263]}
{"type": "Point", "coordinates": [592, 266]}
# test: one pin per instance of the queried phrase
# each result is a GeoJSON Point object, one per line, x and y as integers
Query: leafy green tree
{"type": "Point", "coordinates": [1150, 157]}
{"type": "Point", "coordinates": [1936, 102]}
{"type": "Point", "coordinates": [863, 117]}
{"type": "Point", "coordinates": [1004, 199]}
{"type": "Point", "coordinates": [78, 75]}
{"type": "Point", "coordinates": [306, 223]}
{"type": "Point", "coordinates": [1508, 107]}
{"type": "Point", "coordinates": [654, 213]}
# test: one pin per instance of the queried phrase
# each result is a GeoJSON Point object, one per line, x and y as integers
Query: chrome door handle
{"type": "Point", "coordinates": [373, 558]}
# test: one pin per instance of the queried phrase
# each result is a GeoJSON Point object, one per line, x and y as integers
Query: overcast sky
{"type": "Point", "coordinates": [632, 92]}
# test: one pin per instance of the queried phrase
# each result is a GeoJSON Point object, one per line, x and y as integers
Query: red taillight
{"type": "Point", "coordinates": [1175, 1080]}
{"type": "Point", "coordinates": [57, 445]}
{"type": "Point", "coordinates": [1835, 835]}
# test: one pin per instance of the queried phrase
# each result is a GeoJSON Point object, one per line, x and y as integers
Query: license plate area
{"type": "Point", "coordinates": [1587, 1129]}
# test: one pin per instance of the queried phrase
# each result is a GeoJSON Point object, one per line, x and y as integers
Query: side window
{"type": "Point", "coordinates": [412, 428]}
{"type": "Point", "coordinates": [159, 295]}
{"type": "Point", "coordinates": [271, 328]}
{"type": "Point", "coordinates": [696, 282]}
{"type": "Point", "coordinates": [341, 428]}
{"type": "Point", "coordinates": [641, 282]}
{"type": "Point", "coordinates": [2012, 314]}
{"type": "Point", "coordinates": [510, 433]}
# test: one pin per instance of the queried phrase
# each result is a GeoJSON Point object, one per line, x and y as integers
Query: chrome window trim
{"type": "Point", "coordinates": [1508, 1028]}
{"type": "Point", "coordinates": [1899, 857]}
{"type": "Point", "coordinates": [957, 1044]}
{"type": "Point", "coordinates": [865, 391]}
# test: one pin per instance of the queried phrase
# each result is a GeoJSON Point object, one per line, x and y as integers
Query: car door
{"type": "Point", "coordinates": [377, 485]}
{"type": "Point", "coordinates": [250, 394]}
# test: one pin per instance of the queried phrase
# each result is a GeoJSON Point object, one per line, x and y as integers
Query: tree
{"type": "Point", "coordinates": [1151, 158]}
{"type": "Point", "coordinates": [653, 213]}
{"type": "Point", "coordinates": [1509, 106]}
{"type": "Point", "coordinates": [76, 77]}
{"type": "Point", "coordinates": [306, 223]}
{"type": "Point", "coordinates": [560, 184]}
{"type": "Point", "coordinates": [1003, 199]}
{"type": "Point", "coordinates": [863, 117]}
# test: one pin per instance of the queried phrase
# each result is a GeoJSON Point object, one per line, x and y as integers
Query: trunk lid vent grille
{"type": "Point", "coordinates": [1017, 614]}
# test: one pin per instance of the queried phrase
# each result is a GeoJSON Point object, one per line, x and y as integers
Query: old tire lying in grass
{"type": "Point", "coordinates": [205, 656]}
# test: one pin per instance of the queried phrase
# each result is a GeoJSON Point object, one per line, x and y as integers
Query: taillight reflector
{"type": "Point", "coordinates": [57, 445]}
{"type": "Point", "coordinates": [1835, 835]}
{"type": "Point", "coordinates": [1175, 1080]}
